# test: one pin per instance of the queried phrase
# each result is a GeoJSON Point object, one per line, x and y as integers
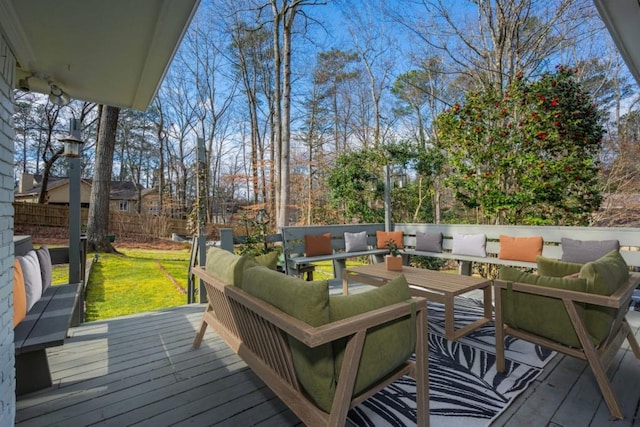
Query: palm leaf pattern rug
{"type": "Point", "coordinates": [464, 387]}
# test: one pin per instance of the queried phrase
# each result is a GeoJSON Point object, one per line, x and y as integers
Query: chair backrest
{"type": "Point", "coordinates": [293, 236]}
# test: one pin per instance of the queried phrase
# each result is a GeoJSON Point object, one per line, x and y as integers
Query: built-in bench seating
{"type": "Point", "coordinates": [45, 325]}
{"type": "Point", "coordinates": [629, 239]}
{"type": "Point", "coordinates": [298, 254]}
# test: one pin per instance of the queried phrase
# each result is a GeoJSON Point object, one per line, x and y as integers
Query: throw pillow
{"type": "Point", "coordinates": [604, 276]}
{"type": "Point", "coordinates": [384, 237]}
{"type": "Point", "coordinates": [32, 277]}
{"type": "Point", "coordinates": [19, 294]}
{"type": "Point", "coordinates": [386, 346]}
{"type": "Point", "coordinates": [46, 270]}
{"type": "Point", "coordinates": [543, 316]}
{"type": "Point", "coordinates": [309, 302]}
{"type": "Point", "coordinates": [269, 260]}
{"type": "Point", "coordinates": [429, 242]}
{"type": "Point", "coordinates": [355, 242]}
{"type": "Point", "coordinates": [317, 244]}
{"type": "Point", "coordinates": [556, 268]}
{"type": "Point", "coordinates": [469, 244]}
{"type": "Point", "coordinates": [583, 251]}
{"type": "Point", "coordinates": [520, 248]}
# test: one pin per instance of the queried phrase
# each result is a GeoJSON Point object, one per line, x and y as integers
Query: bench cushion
{"type": "Point", "coordinates": [384, 237]}
{"type": "Point", "coordinates": [355, 242]}
{"type": "Point", "coordinates": [582, 251]}
{"type": "Point", "coordinates": [604, 276]}
{"type": "Point", "coordinates": [46, 270]}
{"type": "Point", "coordinates": [469, 244]}
{"type": "Point", "coordinates": [386, 347]}
{"type": "Point", "coordinates": [429, 242]}
{"type": "Point", "coordinates": [520, 248]}
{"type": "Point", "coordinates": [32, 277]}
{"type": "Point", "coordinates": [543, 316]}
{"type": "Point", "coordinates": [306, 301]}
{"type": "Point", "coordinates": [19, 294]}
{"type": "Point", "coordinates": [315, 245]}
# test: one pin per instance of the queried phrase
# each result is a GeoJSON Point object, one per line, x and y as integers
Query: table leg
{"type": "Point", "coordinates": [449, 322]}
{"type": "Point", "coordinates": [345, 284]}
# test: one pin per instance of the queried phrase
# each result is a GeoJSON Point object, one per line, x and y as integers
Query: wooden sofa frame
{"type": "Point", "coordinates": [598, 358]}
{"type": "Point", "coordinates": [258, 332]}
{"type": "Point", "coordinates": [294, 247]}
{"type": "Point", "coordinates": [629, 239]}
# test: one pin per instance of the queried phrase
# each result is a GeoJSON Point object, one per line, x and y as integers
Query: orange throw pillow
{"type": "Point", "coordinates": [19, 294]}
{"type": "Point", "coordinates": [383, 237]}
{"type": "Point", "coordinates": [520, 248]}
{"type": "Point", "coordinates": [315, 245]}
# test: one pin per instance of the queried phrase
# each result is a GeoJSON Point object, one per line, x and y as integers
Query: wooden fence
{"type": "Point", "coordinates": [120, 223]}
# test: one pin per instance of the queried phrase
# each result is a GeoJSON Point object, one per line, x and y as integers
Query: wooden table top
{"type": "Point", "coordinates": [447, 283]}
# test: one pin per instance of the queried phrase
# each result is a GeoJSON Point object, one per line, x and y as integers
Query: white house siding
{"type": "Point", "coordinates": [7, 371]}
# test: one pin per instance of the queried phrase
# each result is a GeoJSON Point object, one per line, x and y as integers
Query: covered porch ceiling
{"type": "Point", "coordinates": [113, 52]}
{"type": "Point", "coordinates": [622, 18]}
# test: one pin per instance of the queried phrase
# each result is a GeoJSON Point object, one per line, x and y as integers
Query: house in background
{"type": "Point", "coordinates": [124, 195]}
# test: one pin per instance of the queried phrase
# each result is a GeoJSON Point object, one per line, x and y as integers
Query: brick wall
{"type": "Point", "coordinates": [7, 372]}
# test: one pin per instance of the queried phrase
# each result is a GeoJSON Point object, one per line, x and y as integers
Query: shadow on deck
{"type": "Point", "coordinates": [142, 370]}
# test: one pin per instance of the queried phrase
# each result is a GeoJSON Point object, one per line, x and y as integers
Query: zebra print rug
{"type": "Point", "coordinates": [464, 387]}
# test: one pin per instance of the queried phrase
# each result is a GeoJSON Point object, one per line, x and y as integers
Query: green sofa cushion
{"type": "Point", "coordinates": [226, 266]}
{"type": "Point", "coordinates": [543, 316]}
{"type": "Point", "coordinates": [269, 260]}
{"type": "Point", "coordinates": [386, 346]}
{"type": "Point", "coordinates": [604, 276]}
{"type": "Point", "coordinates": [306, 301]}
{"type": "Point", "coordinates": [555, 268]}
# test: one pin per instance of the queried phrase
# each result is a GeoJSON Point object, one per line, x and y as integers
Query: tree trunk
{"type": "Point", "coordinates": [98, 222]}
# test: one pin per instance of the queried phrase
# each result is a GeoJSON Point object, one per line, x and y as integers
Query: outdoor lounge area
{"type": "Point", "coordinates": [142, 370]}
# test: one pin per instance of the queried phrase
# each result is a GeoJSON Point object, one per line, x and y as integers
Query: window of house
{"type": "Point", "coordinates": [124, 205]}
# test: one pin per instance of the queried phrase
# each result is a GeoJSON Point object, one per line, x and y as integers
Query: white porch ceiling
{"type": "Point", "coordinates": [622, 18]}
{"type": "Point", "coordinates": [113, 52]}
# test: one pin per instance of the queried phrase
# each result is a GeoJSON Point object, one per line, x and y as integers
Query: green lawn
{"type": "Point", "coordinates": [136, 281]}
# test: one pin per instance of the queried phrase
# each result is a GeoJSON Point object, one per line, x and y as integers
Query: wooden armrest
{"type": "Point", "coordinates": [315, 336]}
{"type": "Point", "coordinates": [615, 300]}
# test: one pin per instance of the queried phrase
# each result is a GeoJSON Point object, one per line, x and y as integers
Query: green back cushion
{"type": "Point", "coordinates": [540, 315]}
{"type": "Point", "coordinates": [226, 266]}
{"type": "Point", "coordinates": [306, 301]}
{"type": "Point", "coordinates": [555, 268]}
{"type": "Point", "coordinates": [604, 276]}
{"type": "Point", "coordinates": [269, 260]}
{"type": "Point", "coordinates": [386, 346]}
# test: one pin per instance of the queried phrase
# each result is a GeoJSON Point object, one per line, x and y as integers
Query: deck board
{"type": "Point", "coordinates": [141, 370]}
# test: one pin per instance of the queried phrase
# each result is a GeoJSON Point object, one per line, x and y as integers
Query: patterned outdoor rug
{"type": "Point", "coordinates": [464, 387]}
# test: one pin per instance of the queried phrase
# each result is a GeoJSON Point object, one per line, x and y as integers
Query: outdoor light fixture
{"type": "Point", "coordinates": [72, 146]}
{"type": "Point", "coordinates": [57, 96]}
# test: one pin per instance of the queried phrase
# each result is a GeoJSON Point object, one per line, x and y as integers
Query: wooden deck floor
{"type": "Point", "coordinates": [141, 370]}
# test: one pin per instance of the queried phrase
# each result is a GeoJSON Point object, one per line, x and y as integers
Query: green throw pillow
{"type": "Point", "coordinates": [226, 266]}
{"type": "Point", "coordinates": [543, 316]}
{"type": "Point", "coordinates": [309, 302]}
{"type": "Point", "coordinates": [269, 260]}
{"type": "Point", "coordinates": [555, 268]}
{"type": "Point", "coordinates": [386, 346]}
{"type": "Point", "coordinates": [604, 276]}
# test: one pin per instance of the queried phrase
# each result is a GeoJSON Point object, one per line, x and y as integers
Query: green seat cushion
{"type": "Point", "coordinates": [543, 316]}
{"type": "Point", "coordinates": [555, 268]}
{"type": "Point", "coordinates": [269, 260]}
{"type": "Point", "coordinates": [387, 346]}
{"type": "Point", "coordinates": [225, 265]}
{"type": "Point", "coordinates": [306, 301]}
{"type": "Point", "coordinates": [604, 276]}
